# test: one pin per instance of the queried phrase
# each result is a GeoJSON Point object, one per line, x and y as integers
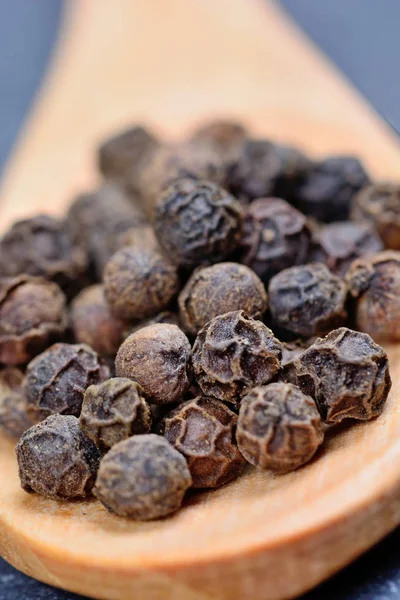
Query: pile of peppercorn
{"type": "Point", "coordinates": [191, 316]}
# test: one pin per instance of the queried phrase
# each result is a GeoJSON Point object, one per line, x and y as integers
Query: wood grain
{"type": "Point", "coordinates": [172, 63]}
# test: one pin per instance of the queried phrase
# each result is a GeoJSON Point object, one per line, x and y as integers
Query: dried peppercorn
{"type": "Point", "coordinates": [156, 357]}
{"type": "Point", "coordinates": [113, 411]}
{"type": "Point", "coordinates": [143, 478]}
{"type": "Point", "coordinates": [275, 237]}
{"type": "Point", "coordinates": [267, 169]}
{"type": "Point", "coordinates": [221, 134]}
{"type": "Point", "coordinates": [56, 459]}
{"type": "Point", "coordinates": [126, 150]}
{"type": "Point", "coordinates": [329, 187]}
{"type": "Point", "coordinates": [279, 427]}
{"type": "Point", "coordinates": [43, 246]}
{"type": "Point", "coordinates": [374, 283]}
{"type": "Point", "coordinates": [97, 221]}
{"type": "Point", "coordinates": [338, 244]}
{"type": "Point", "coordinates": [347, 374]}
{"type": "Point", "coordinates": [233, 353]}
{"type": "Point", "coordinates": [93, 323]}
{"type": "Point", "coordinates": [166, 316]}
{"type": "Point", "coordinates": [139, 283]}
{"type": "Point", "coordinates": [141, 237]}
{"type": "Point", "coordinates": [203, 430]}
{"type": "Point", "coordinates": [32, 317]}
{"type": "Point", "coordinates": [307, 300]}
{"type": "Point", "coordinates": [14, 415]}
{"type": "Point", "coordinates": [219, 289]}
{"type": "Point", "coordinates": [197, 222]}
{"type": "Point", "coordinates": [380, 205]}
{"type": "Point", "coordinates": [290, 352]}
{"type": "Point", "coordinates": [57, 379]}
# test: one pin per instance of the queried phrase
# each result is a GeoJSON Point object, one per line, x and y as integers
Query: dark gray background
{"type": "Point", "coordinates": [362, 37]}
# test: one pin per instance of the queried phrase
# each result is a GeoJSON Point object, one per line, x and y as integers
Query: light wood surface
{"type": "Point", "coordinates": [173, 63]}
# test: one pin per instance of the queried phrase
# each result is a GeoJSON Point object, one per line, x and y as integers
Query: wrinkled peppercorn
{"type": "Point", "coordinates": [374, 283]}
{"type": "Point", "coordinates": [203, 430]}
{"type": "Point", "coordinates": [93, 323]}
{"type": "Point", "coordinates": [141, 237]}
{"type": "Point", "coordinates": [57, 379]}
{"type": "Point", "coordinates": [338, 244]}
{"type": "Point", "coordinates": [197, 222]}
{"type": "Point", "coordinates": [126, 151]}
{"type": "Point", "coordinates": [279, 427]}
{"type": "Point", "coordinates": [347, 374]}
{"type": "Point", "coordinates": [267, 169]}
{"type": "Point", "coordinates": [307, 300]}
{"type": "Point", "coordinates": [290, 352]}
{"type": "Point", "coordinates": [32, 317]}
{"type": "Point", "coordinates": [233, 353]}
{"type": "Point", "coordinates": [114, 410]}
{"type": "Point", "coordinates": [380, 205]}
{"type": "Point", "coordinates": [42, 246]}
{"type": "Point", "coordinates": [143, 478]}
{"type": "Point", "coordinates": [156, 357]}
{"type": "Point", "coordinates": [56, 459]}
{"type": "Point", "coordinates": [14, 415]}
{"type": "Point", "coordinates": [275, 237]}
{"type": "Point", "coordinates": [329, 187]}
{"type": "Point", "coordinates": [139, 283]}
{"type": "Point", "coordinates": [219, 289]}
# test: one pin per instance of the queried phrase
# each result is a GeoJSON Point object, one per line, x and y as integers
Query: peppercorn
{"type": "Point", "coordinates": [203, 430]}
{"type": "Point", "coordinates": [267, 169]}
{"type": "Point", "coordinates": [374, 283]}
{"type": "Point", "coordinates": [290, 352]}
{"type": "Point", "coordinates": [57, 379]}
{"type": "Point", "coordinates": [114, 410]}
{"type": "Point", "coordinates": [197, 222]}
{"type": "Point", "coordinates": [329, 187]}
{"type": "Point", "coordinates": [93, 323]}
{"type": "Point", "coordinates": [380, 205]}
{"type": "Point", "coordinates": [338, 244]}
{"type": "Point", "coordinates": [42, 246]}
{"type": "Point", "coordinates": [32, 317]}
{"type": "Point", "coordinates": [275, 237]}
{"type": "Point", "coordinates": [232, 354]}
{"type": "Point", "coordinates": [141, 237]}
{"type": "Point", "coordinates": [143, 478]}
{"type": "Point", "coordinates": [139, 283]}
{"type": "Point", "coordinates": [14, 415]}
{"type": "Point", "coordinates": [346, 373]}
{"type": "Point", "coordinates": [125, 151]}
{"type": "Point", "coordinates": [163, 317]}
{"type": "Point", "coordinates": [279, 427]}
{"type": "Point", "coordinates": [56, 459]}
{"type": "Point", "coordinates": [156, 357]}
{"type": "Point", "coordinates": [221, 134]}
{"type": "Point", "coordinates": [307, 300]}
{"type": "Point", "coordinates": [219, 289]}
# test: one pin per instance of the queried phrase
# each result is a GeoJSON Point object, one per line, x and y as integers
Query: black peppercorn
{"type": "Point", "coordinates": [139, 283]}
{"type": "Point", "coordinates": [338, 244]}
{"type": "Point", "coordinates": [380, 205]}
{"type": "Point", "coordinates": [275, 237]}
{"type": "Point", "coordinates": [113, 411]}
{"type": "Point", "coordinates": [219, 289]}
{"type": "Point", "coordinates": [346, 373]}
{"type": "Point", "coordinates": [374, 283]}
{"type": "Point", "coordinates": [143, 478]}
{"type": "Point", "coordinates": [197, 222]}
{"type": "Point", "coordinates": [203, 430]}
{"type": "Point", "coordinates": [156, 357]}
{"type": "Point", "coordinates": [56, 459]}
{"type": "Point", "coordinates": [279, 427]}
{"type": "Point", "coordinates": [57, 379]}
{"type": "Point", "coordinates": [15, 417]}
{"type": "Point", "coordinates": [32, 317]}
{"type": "Point", "coordinates": [42, 246]}
{"type": "Point", "coordinates": [307, 300]}
{"type": "Point", "coordinates": [232, 354]}
{"type": "Point", "coordinates": [329, 187]}
{"type": "Point", "coordinates": [93, 323]}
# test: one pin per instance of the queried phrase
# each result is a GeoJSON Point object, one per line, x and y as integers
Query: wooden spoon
{"type": "Point", "coordinates": [172, 64]}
